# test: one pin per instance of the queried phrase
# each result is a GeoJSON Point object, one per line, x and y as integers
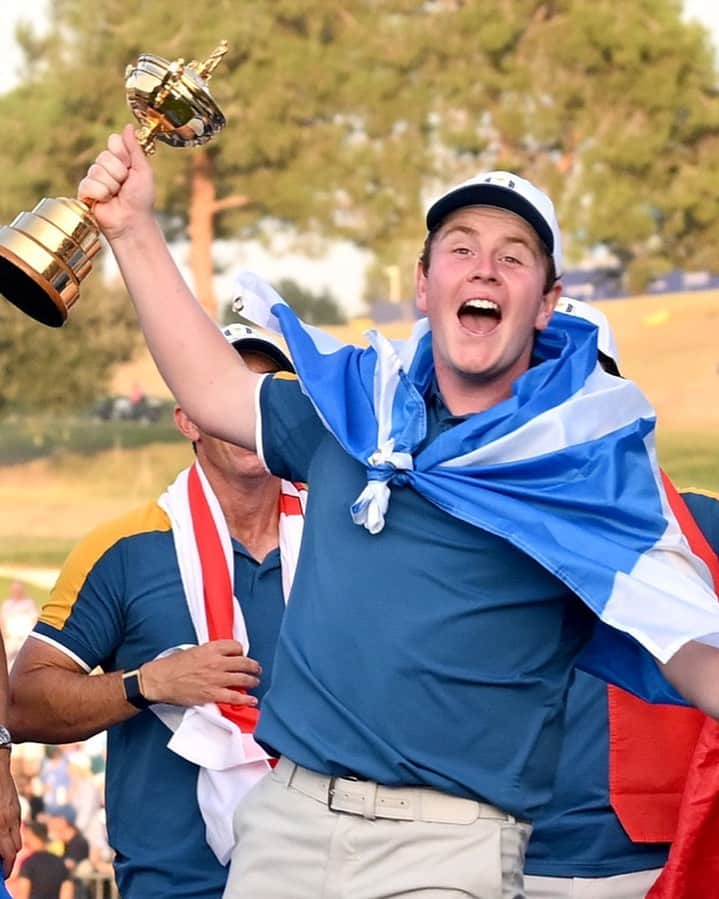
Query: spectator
{"type": "Point", "coordinates": [55, 777]}
{"type": "Point", "coordinates": [83, 794]}
{"type": "Point", "coordinates": [42, 874]}
{"type": "Point", "coordinates": [17, 618]}
{"type": "Point", "coordinates": [63, 828]}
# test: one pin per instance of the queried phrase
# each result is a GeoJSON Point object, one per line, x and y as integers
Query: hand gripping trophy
{"type": "Point", "coordinates": [46, 253]}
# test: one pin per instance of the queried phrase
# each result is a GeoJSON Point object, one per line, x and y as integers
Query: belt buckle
{"type": "Point", "coordinates": [331, 793]}
{"type": "Point", "coordinates": [331, 786]}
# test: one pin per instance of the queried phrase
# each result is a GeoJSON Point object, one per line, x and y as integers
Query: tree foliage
{"type": "Point", "coordinates": [345, 118]}
{"type": "Point", "coordinates": [66, 368]}
{"type": "Point", "coordinates": [613, 107]}
{"type": "Point", "coordinates": [327, 105]}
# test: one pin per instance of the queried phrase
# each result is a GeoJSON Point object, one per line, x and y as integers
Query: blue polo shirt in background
{"type": "Point", "coordinates": [118, 603]}
{"type": "Point", "coordinates": [432, 653]}
{"type": "Point", "coordinates": [578, 834]}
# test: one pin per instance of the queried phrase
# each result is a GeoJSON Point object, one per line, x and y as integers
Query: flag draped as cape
{"type": "Point", "coordinates": [565, 469]}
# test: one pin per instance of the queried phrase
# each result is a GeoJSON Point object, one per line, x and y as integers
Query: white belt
{"type": "Point", "coordinates": [372, 800]}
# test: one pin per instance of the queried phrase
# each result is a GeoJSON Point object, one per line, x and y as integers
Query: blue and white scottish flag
{"type": "Point", "coordinates": [565, 469]}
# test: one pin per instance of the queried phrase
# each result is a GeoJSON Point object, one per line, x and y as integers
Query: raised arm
{"type": "Point", "coordinates": [204, 373]}
{"type": "Point", "coordinates": [54, 700]}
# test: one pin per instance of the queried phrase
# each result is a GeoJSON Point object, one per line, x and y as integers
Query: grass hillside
{"type": "Point", "coordinates": [48, 503]}
{"type": "Point", "coordinates": [668, 345]}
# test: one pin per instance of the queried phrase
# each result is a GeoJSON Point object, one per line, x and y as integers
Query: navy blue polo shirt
{"type": "Point", "coordinates": [118, 603]}
{"type": "Point", "coordinates": [578, 834]}
{"type": "Point", "coordinates": [432, 653]}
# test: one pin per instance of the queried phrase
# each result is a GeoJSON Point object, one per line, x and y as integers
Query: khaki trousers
{"type": "Point", "coordinates": [622, 886]}
{"type": "Point", "coordinates": [301, 835]}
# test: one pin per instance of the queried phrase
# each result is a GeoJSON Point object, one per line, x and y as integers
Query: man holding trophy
{"type": "Point", "coordinates": [377, 817]}
{"type": "Point", "coordinates": [422, 668]}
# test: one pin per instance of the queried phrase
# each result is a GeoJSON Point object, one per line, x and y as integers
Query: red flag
{"type": "Point", "coordinates": [650, 751]}
{"type": "Point", "coordinates": [692, 869]}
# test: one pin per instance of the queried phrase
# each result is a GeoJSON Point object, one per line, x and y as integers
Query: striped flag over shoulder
{"type": "Point", "coordinates": [565, 469]}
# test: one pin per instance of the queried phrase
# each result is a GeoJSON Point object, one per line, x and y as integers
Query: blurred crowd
{"type": "Point", "coordinates": [61, 788]}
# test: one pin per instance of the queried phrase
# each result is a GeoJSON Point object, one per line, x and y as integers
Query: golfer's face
{"type": "Point", "coordinates": [483, 295]}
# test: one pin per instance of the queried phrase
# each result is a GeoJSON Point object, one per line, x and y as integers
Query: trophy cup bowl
{"type": "Point", "coordinates": [46, 253]}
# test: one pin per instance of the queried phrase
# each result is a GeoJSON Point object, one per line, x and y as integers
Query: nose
{"type": "Point", "coordinates": [484, 268]}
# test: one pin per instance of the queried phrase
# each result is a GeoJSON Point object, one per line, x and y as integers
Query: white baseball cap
{"type": "Point", "coordinates": [243, 337]}
{"type": "Point", "coordinates": [504, 191]}
{"type": "Point", "coordinates": [606, 342]}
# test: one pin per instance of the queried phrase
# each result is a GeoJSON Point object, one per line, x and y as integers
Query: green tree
{"type": "Point", "coordinates": [327, 106]}
{"type": "Point", "coordinates": [613, 106]}
{"type": "Point", "coordinates": [65, 368]}
{"type": "Point", "coordinates": [345, 118]}
{"type": "Point", "coordinates": [316, 308]}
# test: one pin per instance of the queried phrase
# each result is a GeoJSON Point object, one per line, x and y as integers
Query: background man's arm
{"type": "Point", "coordinates": [205, 374]}
{"type": "Point", "coordinates": [54, 700]}
{"type": "Point", "coordinates": [694, 672]}
{"type": "Point", "coordinates": [9, 805]}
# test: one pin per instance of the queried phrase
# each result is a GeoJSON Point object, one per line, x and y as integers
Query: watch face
{"type": "Point", "coordinates": [5, 738]}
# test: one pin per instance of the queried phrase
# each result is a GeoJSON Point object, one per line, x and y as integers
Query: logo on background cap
{"type": "Point", "coordinates": [501, 178]}
{"type": "Point", "coordinates": [243, 337]}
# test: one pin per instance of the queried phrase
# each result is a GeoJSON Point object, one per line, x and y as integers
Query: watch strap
{"type": "Point", "coordinates": [133, 690]}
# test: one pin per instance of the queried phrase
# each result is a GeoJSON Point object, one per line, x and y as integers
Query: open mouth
{"type": "Point", "coordinates": [479, 317]}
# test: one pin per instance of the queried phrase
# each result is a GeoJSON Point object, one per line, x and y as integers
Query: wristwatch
{"type": "Point", "coordinates": [5, 738]}
{"type": "Point", "coordinates": [133, 690]}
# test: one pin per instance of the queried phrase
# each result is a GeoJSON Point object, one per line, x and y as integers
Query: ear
{"type": "Point", "coordinates": [421, 287]}
{"type": "Point", "coordinates": [185, 426]}
{"type": "Point", "coordinates": [546, 308]}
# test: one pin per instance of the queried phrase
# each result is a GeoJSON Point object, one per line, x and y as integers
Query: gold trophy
{"type": "Point", "coordinates": [46, 253]}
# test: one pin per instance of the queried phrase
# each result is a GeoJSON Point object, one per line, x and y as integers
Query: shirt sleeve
{"type": "Point", "coordinates": [84, 615]}
{"type": "Point", "coordinates": [289, 428]}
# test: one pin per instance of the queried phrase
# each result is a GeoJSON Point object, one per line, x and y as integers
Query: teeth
{"type": "Point", "coordinates": [481, 304]}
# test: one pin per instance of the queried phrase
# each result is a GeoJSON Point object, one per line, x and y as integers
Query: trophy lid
{"type": "Point", "coordinates": [171, 98]}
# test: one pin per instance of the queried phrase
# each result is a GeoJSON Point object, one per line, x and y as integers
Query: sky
{"type": "Point", "coordinates": [34, 11]}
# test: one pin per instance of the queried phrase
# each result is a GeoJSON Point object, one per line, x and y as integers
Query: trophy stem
{"type": "Point", "coordinates": [146, 138]}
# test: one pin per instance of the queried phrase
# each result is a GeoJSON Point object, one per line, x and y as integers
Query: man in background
{"type": "Point", "coordinates": [606, 832]}
{"type": "Point", "coordinates": [130, 598]}
{"type": "Point", "coordinates": [451, 612]}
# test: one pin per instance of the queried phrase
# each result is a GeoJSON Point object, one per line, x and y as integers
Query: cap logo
{"type": "Point", "coordinates": [502, 180]}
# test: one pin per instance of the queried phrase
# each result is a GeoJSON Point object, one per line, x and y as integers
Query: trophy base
{"type": "Point", "coordinates": [29, 291]}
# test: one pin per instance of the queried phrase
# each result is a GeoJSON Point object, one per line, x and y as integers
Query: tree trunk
{"type": "Point", "coordinates": [201, 229]}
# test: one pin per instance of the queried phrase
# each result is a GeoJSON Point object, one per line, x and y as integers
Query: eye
{"type": "Point", "coordinates": [461, 251]}
{"type": "Point", "coordinates": [512, 260]}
